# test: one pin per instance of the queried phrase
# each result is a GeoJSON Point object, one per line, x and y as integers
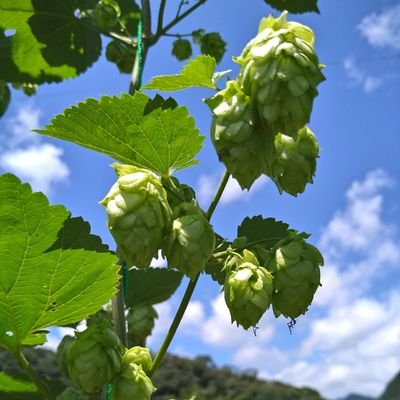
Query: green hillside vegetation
{"type": "Point", "coordinates": [392, 391]}
{"type": "Point", "coordinates": [178, 378]}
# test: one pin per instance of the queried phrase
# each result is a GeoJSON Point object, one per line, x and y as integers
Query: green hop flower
{"type": "Point", "coordinates": [106, 14]}
{"type": "Point", "coordinates": [5, 96]}
{"type": "Point", "coordinates": [248, 290]}
{"type": "Point", "coordinates": [29, 88]}
{"type": "Point", "coordinates": [132, 383]}
{"type": "Point", "coordinates": [138, 355]}
{"type": "Point", "coordinates": [294, 162]}
{"type": "Point", "coordinates": [296, 270]}
{"type": "Point", "coordinates": [62, 351]}
{"type": "Point", "coordinates": [280, 72]}
{"type": "Point", "coordinates": [213, 45]}
{"type": "Point", "coordinates": [241, 143]}
{"type": "Point", "coordinates": [141, 320]}
{"type": "Point", "coordinates": [138, 214]}
{"type": "Point", "coordinates": [190, 242]}
{"type": "Point", "coordinates": [71, 394]}
{"type": "Point", "coordinates": [121, 55]}
{"type": "Point", "coordinates": [182, 49]}
{"type": "Point", "coordinates": [94, 358]}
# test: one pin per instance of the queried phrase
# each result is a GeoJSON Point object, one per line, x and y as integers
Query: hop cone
{"type": "Point", "coordinates": [62, 351]}
{"type": "Point", "coordinates": [94, 358]}
{"type": "Point", "coordinates": [181, 49]}
{"type": "Point", "coordinates": [280, 72]}
{"type": "Point", "coordinates": [138, 214]}
{"type": "Point", "coordinates": [121, 55]}
{"type": "Point", "coordinates": [132, 383]}
{"type": "Point", "coordinates": [106, 14]}
{"type": "Point", "coordinates": [294, 161]}
{"type": "Point", "coordinates": [138, 355]}
{"type": "Point", "coordinates": [190, 242]}
{"type": "Point", "coordinates": [213, 45]}
{"type": "Point", "coordinates": [241, 144]}
{"type": "Point", "coordinates": [71, 394]}
{"type": "Point", "coordinates": [296, 265]}
{"type": "Point", "coordinates": [248, 290]}
{"type": "Point", "coordinates": [141, 322]}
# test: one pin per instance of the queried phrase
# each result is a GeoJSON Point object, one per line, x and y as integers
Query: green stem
{"type": "Point", "coordinates": [161, 17]}
{"type": "Point", "coordinates": [34, 377]}
{"type": "Point", "coordinates": [189, 290]}
{"type": "Point", "coordinates": [179, 18]}
{"type": "Point", "coordinates": [218, 195]}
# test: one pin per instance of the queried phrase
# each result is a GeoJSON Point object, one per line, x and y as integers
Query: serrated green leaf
{"type": "Point", "coordinates": [135, 130]}
{"type": "Point", "coordinates": [12, 385]}
{"type": "Point", "coordinates": [198, 72]}
{"type": "Point", "coordinates": [265, 231]}
{"type": "Point", "coordinates": [151, 285]}
{"type": "Point", "coordinates": [50, 42]}
{"type": "Point", "coordinates": [294, 6]}
{"type": "Point", "coordinates": [36, 338]}
{"type": "Point", "coordinates": [52, 271]}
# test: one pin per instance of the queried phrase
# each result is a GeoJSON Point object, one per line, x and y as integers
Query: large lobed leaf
{"type": "Point", "coordinates": [151, 286]}
{"type": "Point", "coordinates": [50, 42]}
{"type": "Point", "coordinates": [153, 134]}
{"type": "Point", "coordinates": [14, 385]}
{"type": "Point", "coordinates": [197, 72]}
{"type": "Point", "coordinates": [294, 6]}
{"type": "Point", "coordinates": [52, 270]}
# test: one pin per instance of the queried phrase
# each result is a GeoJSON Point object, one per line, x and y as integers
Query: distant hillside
{"type": "Point", "coordinates": [358, 397]}
{"type": "Point", "coordinates": [177, 378]}
{"type": "Point", "coordinates": [392, 391]}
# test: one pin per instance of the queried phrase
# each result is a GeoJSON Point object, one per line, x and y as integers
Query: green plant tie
{"type": "Point", "coordinates": [139, 53]}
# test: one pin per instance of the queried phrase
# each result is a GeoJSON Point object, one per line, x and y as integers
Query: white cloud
{"type": "Point", "coordinates": [382, 30]}
{"type": "Point", "coordinates": [359, 77]}
{"type": "Point", "coordinates": [208, 184]}
{"type": "Point", "coordinates": [25, 154]}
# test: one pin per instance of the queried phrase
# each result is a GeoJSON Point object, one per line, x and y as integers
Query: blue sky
{"type": "Point", "coordinates": [350, 339]}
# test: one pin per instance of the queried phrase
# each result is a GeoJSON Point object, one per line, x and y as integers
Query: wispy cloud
{"type": "Point", "coordinates": [359, 77]}
{"type": "Point", "coordinates": [382, 30]}
{"type": "Point", "coordinates": [25, 154]}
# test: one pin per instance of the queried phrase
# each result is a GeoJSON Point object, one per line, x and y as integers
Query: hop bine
{"type": "Point", "coordinates": [138, 214]}
{"type": "Point", "coordinates": [295, 265]}
{"type": "Point", "coordinates": [140, 322]}
{"type": "Point", "coordinates": [248, 290]}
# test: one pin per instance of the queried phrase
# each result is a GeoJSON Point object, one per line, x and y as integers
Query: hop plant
{"type": "Point", "coordinates": [132, 383]}
{"type": "Point", "coordinates": [182, 49]}
{"type": "Point", "coordinates": [280, 72]}
{"type": "Point", "coordinates": [122, 56]}
{"type": "Point", "coordinates": [62, 351]}
{"type": "Point", "coordinates": [138, 355]}
{"type": "Point", "coordinates": [106, 14]}
{"type": "Point", "coordinates": [294, 161]}
{"type": "Point", "coordinates": [138, 214]}
{"type": "Point", "coordinates": [141, 320]}
{"type": "Point", "coordinates": [213, 45]}
{"type": "Point", "coordinates": [190, 242]}
{"type": "Point", "coordinates": [241, 143]}
{"type": "Point", "coordinates": [296, 270]}
{"type": "Point", "coordinates": [248, 290]}
{"type": "Point", "coordinates": [94, 358]}
{"type": "Point", "coordinates": [72, 394]}
{"type": "Point", "coordinates": [29, 89]}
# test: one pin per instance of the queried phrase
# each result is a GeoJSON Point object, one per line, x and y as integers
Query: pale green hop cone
{"type": "Point", "coordinates": [280, 72]}
{"type": "Point", "coordinates": [132, 383]}
{"type": "Point", "coordinates": [248, 290]}
{"type": "Point", "coordinates": [141, 320]}
{"type": "Point", "coordinates": [94, 358]}
{"type": "Point", "coordinates": [138, 355]}
{"type": "Point", "coordinates": [190, 243]}
{"type": "Point", "coordinates": [106, 14]}
{"type": "Point", "coordinates": [294, 161]}
{"type": "Point", "coordinates": [138, 214]}
{"type": "Point", "coordinates": [296, 270]}
{"type": "Point", "coordinates": [240, 142]}
{"type": "Point", "coordinates": [62, 351]}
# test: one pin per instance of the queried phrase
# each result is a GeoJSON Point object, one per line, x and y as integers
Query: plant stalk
{"type": "Point", "coordinates": [189, 290]}
{"type": "Point", "coordinates": [118, 311]}
{"type": "Point", "coordinates": [34, 377]}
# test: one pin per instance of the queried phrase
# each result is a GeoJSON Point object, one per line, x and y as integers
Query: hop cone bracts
{"type": "Point", "coordinates": [94, 358]}
{"type": "Point", "coordinates": [280, 71]}
{"type": "Point", "coordinates": [248, 290]}
{"type": "Point", "coordinates": [138, 214]}
{"type": "Point", "coordinates": [296, 270]}
{"type": "Point", "coordinates": [294, 163]}
{"type": "Point", "coordinates": [141, 322]}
